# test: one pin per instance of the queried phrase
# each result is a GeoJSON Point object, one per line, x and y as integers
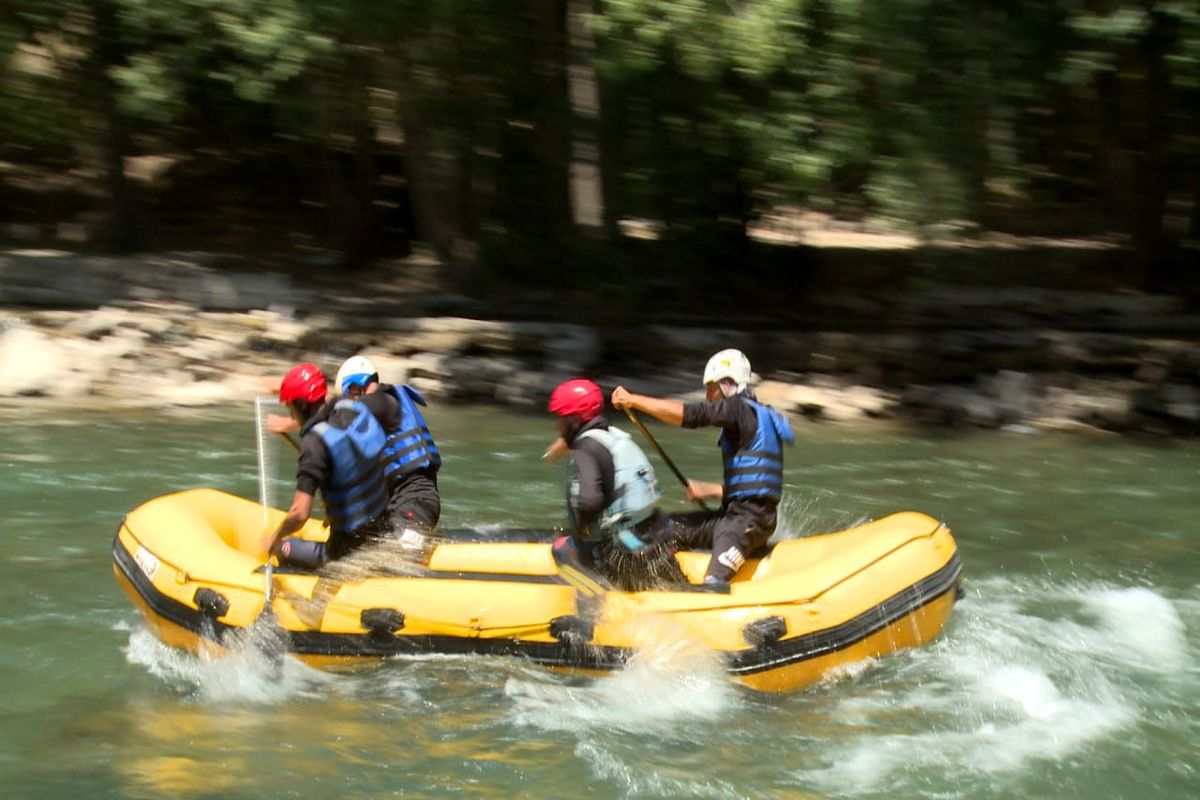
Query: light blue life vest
{"type": "Point", "coordinates": [412, 447]}
{"type": "Point", "coordinates": [355, 492]}
{"type": "Point", "coordinates": [757, 470]}
{"type": "Point", "coordinates": [635, 489]}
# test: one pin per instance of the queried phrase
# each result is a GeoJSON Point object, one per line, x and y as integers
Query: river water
{"type": "Point", "coordinates": [1068, 670]}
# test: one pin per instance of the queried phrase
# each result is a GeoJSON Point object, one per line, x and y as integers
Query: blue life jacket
{"type": "Point", "coordinates": [757, 470]}
{"type": "Point", "coordinates": [635, 489]}
{"type": "Point", "coordinates": [411, 447]}
{"type": "Point", "coordinates": [355, 491]}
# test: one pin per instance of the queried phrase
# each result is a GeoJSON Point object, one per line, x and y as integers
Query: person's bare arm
{"type": "Point", "coordinates": [280, 424]}
{"type": "Point", "coordinates": [557, 449]}
{"type": "Point", "coordinates": [703, 490]}
{"type": "Point", "coordinates": [661, 408]}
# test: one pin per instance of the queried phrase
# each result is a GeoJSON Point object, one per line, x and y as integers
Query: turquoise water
{"type": "Point", "coordinates": [1069, 669]}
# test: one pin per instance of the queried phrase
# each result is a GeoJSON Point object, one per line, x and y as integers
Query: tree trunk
{"type": "Point", "coordinates": [358, 217]}
{"type": "Point", "coordinates": [1154, 246]}
{"type": "Point", "coordinates": [587, 191]}
{"type": "Point", "coordinates": [124, 232]}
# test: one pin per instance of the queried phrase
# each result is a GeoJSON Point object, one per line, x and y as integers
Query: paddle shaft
{"type": "Point", "coordinates": [662, 453]}
{"type": "Point", "coordinates": [267, 591]}
{"type": "Point", "coordinates": [270, 569]}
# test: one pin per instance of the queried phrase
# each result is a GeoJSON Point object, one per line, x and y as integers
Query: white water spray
{"type": "Point", "coordinates": [245, 671]}
{"type": "Point", "coordinates": [669, 680]}
{"type": "Point", "coordinates": [1007, 687]}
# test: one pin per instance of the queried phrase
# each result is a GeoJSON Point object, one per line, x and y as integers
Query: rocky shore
{"type": "Point", "coordinates": [188, 330]}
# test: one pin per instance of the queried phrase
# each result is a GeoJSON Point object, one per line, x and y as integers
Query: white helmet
{"type": "Point", "coordinates": [355, 371]}
{"type": "Point", "coordinates": [731, 364]}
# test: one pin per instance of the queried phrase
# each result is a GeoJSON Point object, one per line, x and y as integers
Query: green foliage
{"type": "Point", "coordinates": [710, 113]}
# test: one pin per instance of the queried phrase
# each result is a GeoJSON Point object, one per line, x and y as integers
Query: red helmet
{"type": "Point", "coordinates": [303, 382]}
{"type": "Point", "coordinates": [578, 397]}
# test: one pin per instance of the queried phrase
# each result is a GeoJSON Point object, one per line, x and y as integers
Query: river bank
{"type": "Point", "coordinates": [187, 330]}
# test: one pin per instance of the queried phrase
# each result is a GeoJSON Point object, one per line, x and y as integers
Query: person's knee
{"type": "Point", "coordinates": [571, 550]}
{"type": "Point", "coordinates": [416, 515]}
{"type": "Point", "coordinates": [302, 553]}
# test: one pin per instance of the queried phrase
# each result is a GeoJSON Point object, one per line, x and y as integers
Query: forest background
{"type": "Point", "coordinates": [548, 142]}
{"type": "Point", "coordinates": [732, 163]}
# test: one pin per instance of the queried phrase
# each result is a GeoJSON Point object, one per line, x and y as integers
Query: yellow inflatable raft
{"type": "Point", "coordinates": [193, 564]}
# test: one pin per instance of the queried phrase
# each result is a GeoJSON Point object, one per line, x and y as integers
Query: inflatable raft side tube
{"type": "Point", "coordinates": [769, 656]}
{"type": "Point", "coordinates": [371, 644]}
{"type": "Point", "coordinates": [776, 654]}
{"type": "Point", "coordinates": [193, 619]}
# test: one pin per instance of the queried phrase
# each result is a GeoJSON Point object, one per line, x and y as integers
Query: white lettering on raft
{"type": "Point", "coordinates": [147, 561]}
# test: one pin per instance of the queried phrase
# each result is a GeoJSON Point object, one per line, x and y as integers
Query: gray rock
{"type": "Point", "coordinates": [31, 363]}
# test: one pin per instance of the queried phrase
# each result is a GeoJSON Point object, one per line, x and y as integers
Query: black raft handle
{"type": "Point", "coordinates": [765, 631]}
{"type": "Point", "coordinates": [572, 630]}
{"type": "Point", "coordinates": [381, 621]}
{"type": "Point", "coordinates": [211, 603]}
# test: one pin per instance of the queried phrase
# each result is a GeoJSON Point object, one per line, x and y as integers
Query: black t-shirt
{"type": "Point", "coordinates": [732, 414]}
{"type": "Point", "coordinates": [595, 471]}
{"type": "Point", "coordinates": [312, 470]}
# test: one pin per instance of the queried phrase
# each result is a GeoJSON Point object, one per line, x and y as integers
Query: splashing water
{"type": "Point", "coordinates": [250, 668]}
{"type": "Point", "coordinates": [1006, 688]}
{"type": "Point", "coordinates": [669, 679]}
{"type": "Point", "coordinates": [633, 728]}
{"type": "Point", "coordinates": [801, 515]}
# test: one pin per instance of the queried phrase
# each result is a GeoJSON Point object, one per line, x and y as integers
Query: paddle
{"type": "Point", "coordinates": [269, 569]}
{"type": "Point", "coordinates": [264, 497]}
{"type": "Point", "coordinates": [662, 453]}
{"type": "Point", "coordinates": [264, 493]}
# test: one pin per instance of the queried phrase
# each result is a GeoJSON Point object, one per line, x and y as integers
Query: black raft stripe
{"type": "Point", "coordinates": [813, 645]}
{"type": "Point", "coordinates": [560, 654]}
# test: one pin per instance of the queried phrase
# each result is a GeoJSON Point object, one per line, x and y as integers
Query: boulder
{"type": "Point", "coordinates": [32, 363]}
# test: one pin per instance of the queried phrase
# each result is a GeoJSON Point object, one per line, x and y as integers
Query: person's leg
{"type": "Point", "coordinates": [736, 535]}
{"type": "Point", "coordinates": [415, 503]}
{"type": "Point", "coordinates": [294, 552]}
{"type": "Point", "coordinates": [297, 552]}
{"type": "Point", "coordinates": [693, 530]}
{"type": "Point", "coordinates": [421, 512]}
{"type": "Point", "coordinates": [573, 550]}
{"type": "Point", "coordinates": [415, 508]}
